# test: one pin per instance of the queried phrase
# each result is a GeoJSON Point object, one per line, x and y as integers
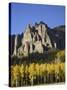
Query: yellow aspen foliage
{"type": "Point", "coordinates": [16, 71]}
{"type": "Point", "coordinates": [48, 68]}
{"type": "Point", "coordinates": [32, 71]}
{"type": "Point", "coordinates": [22, 70]}
{"type": "Point", "coordinates": [26, 69]}
{"type": "Point", "coordinates": [52, 68]}
{"type": "Point", "coordinates": [37, 69]}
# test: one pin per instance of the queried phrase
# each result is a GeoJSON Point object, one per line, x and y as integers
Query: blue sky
{"type": "Point", "coordinates": [24, 14]}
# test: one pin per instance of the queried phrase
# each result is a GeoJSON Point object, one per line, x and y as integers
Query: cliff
{"type": "Point", "coordinates": [38, 38]}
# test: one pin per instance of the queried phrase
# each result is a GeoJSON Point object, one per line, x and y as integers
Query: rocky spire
{"type": "Point", "coordinates": [15, 45]}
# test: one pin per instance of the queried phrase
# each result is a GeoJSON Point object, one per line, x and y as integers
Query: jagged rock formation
{"type": "Point", "coordinates": [38, 38]}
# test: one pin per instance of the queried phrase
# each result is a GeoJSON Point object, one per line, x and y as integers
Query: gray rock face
{"type": "Point", "coordinates": [36, 38]}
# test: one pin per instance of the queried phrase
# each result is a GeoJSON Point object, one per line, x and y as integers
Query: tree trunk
{"type": "Point", "coordinates": [16, 83]}
{"type": "Point", "coordinates": [32, 81]}
{"type": "Point", "coordinates": [45, 79]}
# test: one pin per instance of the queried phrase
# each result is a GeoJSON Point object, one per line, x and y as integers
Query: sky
{"type": "Point", "coordinates": [24, 14]}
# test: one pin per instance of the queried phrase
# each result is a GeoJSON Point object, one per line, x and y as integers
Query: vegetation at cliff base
{"type": "Point", "coordinates": [38, 72]}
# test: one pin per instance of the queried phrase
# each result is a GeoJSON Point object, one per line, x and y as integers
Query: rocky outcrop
{"type": "Point", "coordinates": [38, 38]}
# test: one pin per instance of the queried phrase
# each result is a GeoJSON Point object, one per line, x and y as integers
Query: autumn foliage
{"type": "Point", "coordinates": [35, 73]}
